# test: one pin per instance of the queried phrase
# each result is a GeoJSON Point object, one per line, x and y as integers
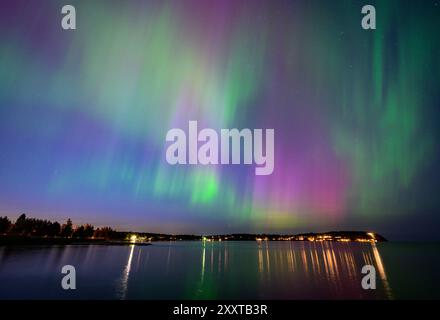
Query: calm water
{"type": "Point", "coordinates": [223, 270]}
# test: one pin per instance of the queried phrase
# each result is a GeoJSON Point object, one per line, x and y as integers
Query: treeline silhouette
{"type": "Point", "coordinates": [33, 227]}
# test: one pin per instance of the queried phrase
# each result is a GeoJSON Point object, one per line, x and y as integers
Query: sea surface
{"type": "Point", "coordinates": [223, 270]}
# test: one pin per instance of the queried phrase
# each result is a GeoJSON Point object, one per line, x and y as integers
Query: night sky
{"type": "Point", "coordinates": [84, 114]}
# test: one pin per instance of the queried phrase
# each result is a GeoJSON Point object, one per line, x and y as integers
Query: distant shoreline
{"type": "Point", "coordinates": [8, 240]}
{"type": "Point", "coordinates": [29, 231]}
{"type": "Point", "coordinates": [142, 239]}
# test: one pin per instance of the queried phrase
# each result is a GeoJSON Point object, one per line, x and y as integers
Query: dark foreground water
{"type": "Point", "coordinates": [222, 270]}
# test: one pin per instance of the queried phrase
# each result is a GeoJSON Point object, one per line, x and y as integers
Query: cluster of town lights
{"type": "Point", "coordinates": [369, 237]}
{"type": "Point", "coordinates": [318, 238]}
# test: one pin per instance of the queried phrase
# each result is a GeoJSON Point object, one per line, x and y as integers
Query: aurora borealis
{"type": "Point", "coordinates": [84, 113]}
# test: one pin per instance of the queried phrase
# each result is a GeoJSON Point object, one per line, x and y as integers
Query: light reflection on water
{"type": "Point", "coordinates": [209, 270]}
{"type": "Point", "coordinates": [126, 274]}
